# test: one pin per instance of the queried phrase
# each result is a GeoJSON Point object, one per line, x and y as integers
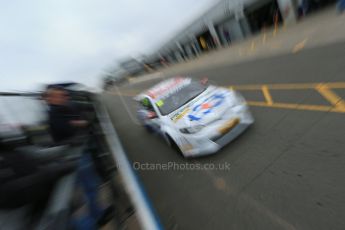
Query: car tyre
{"type": "Point", "coordinates": [173, 145]}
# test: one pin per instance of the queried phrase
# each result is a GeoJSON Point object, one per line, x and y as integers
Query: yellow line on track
{"type": "Point", "coordinates": [335, 85]}
{"type": "Point", "coordinates": [321, 108]}
{"type": "Point", "coordinates": [267, 95]}
{"type": "Point", "coordinates": [333, 98]}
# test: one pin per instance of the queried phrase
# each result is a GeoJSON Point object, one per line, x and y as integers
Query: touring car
{"type": "Point", "coordinates": [194, 117]}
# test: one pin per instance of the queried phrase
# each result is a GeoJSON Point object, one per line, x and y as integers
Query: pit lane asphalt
{"type": "Point", "coordinates": [286, 172]}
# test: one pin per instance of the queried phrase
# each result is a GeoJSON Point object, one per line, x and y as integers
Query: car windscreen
{"type": "Point", "coordinates": [180, 97]}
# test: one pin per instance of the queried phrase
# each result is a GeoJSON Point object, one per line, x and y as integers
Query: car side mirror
{"type": "Point", "coordinates": [204, 81]}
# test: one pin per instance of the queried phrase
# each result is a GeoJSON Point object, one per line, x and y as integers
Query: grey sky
{"type": "Point", "coordinates": [44, 41]}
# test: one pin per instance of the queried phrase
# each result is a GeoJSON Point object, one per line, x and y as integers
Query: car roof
{"type": "Point", "coordinates": [164, 88]}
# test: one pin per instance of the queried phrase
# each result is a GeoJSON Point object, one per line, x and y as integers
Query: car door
{"type": "Point", "coordinates": [149, 115]}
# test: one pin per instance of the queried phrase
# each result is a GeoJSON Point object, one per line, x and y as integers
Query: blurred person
{"type": "Point", "coordinates": [305, 7]}
{"type": "Point", "coordinates": [65, 122]}
{"type": "Point", "coordinates": [26, 177]}
{"type": "Point", "coordinates": [63, 118]}
{"type": "Point", "coordinates": [341, 6]}
{"type": "Point", "coordinates": [227, 36]}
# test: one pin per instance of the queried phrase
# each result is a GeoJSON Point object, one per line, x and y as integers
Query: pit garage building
{"type": "Point", "coordinates": [226, 22]}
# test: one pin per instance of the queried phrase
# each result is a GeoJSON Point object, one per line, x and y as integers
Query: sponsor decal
{"type": "Point", "coordinates": [206, 107]}
{"type": "Point", "coordinates": [160, 103]}
{"type": "Point", "coordinates": [180, 114]}
{"type": "Point", "coordinates": [169, 87]}
{"type": "Point", "coordinates": [229, 125]}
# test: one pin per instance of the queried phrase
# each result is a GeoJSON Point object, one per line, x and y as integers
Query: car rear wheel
{"type": "Point", "coordinates": [148, 128]}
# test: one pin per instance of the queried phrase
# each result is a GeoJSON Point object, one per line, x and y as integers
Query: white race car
{"type": "Point", "coordinates": [193, 117]}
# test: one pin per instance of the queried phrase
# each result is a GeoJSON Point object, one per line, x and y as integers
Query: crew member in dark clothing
{"type": "Point", "coordinates": [26, 178]}
{"type": "Point", "coordinates": [65, 122]}
{"type": "Point", "coordinates": [63, 119]}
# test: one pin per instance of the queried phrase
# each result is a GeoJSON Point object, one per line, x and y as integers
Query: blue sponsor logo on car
{"type": "Point", "coordinates": [206, 107]}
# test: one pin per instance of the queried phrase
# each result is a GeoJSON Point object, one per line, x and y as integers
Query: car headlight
{"type": "Point", "coordinates": [192, 129]}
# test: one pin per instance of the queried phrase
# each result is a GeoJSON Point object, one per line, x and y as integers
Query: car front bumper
{"type": "Point", "coordinates": [214, 138]}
